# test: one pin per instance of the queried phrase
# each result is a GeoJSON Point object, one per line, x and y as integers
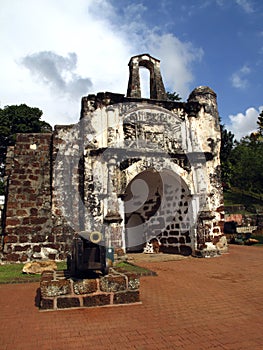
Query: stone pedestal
{"type": "Point", "coordinates": [59, 291]}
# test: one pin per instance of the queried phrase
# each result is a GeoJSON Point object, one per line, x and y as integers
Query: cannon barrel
{"type": "Point", "coordinates": [88, 254]}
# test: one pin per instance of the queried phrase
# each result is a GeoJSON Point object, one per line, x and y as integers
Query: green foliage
{"type": "Point", "coordinates": [242, 165]}
{"type": "Point", "coordinates": [242, 162]}
{"type": "Point", "coordinates": [227, 144]}
{"type": "Point", "coordinates": [18, 119]}
{"type": "Point", "coordinates": [260, 123]}
{"type": "Point", "coordinates": [247, 165]}
{"type": "Point", "coordinates": [173, 96]}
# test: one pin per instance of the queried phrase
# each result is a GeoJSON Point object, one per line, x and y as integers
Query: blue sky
{"type": "Point", "coordinates": [54, 52]}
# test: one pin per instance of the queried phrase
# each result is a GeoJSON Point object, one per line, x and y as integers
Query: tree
{"type": "Point", "coordinates": [260, 123]}
{"type": "Point", "coordinates": [227, 144]}
{"type": "Point", "coordinates": [18, 119]}
{"type": "Point", "coordinates": [247, 165]}
{"type": "Point", "coordinates": [173, 96]}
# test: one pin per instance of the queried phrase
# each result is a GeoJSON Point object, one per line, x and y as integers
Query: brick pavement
{"type": "Point", "coordinates": [192, 304]}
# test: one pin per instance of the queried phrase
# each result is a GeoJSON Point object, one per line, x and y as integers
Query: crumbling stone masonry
{"type": "Point", "coordinates": [132, 168]}
{"type": "Point", "coordinates": [58, 291]}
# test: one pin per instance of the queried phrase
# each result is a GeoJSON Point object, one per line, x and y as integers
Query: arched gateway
{"type": "Point", "coordinates": [132, 169]}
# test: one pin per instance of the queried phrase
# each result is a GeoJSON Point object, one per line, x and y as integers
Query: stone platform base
{"type": "Point", "coordinates": [59, 291]}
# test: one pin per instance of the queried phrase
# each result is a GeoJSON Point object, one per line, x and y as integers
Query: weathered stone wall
{"type": "Point", "coordinates": [81, 178]}
{"type": "Point", "coordinates": [35, 227]}
{"type": "Point", "coordinates": [28, 222]}
{"type": "Point", "coordinates": [65, 181]}
{"type": "Point", "coordinates": [182, 139]}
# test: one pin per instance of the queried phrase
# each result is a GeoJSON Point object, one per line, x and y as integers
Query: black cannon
{"type": "Point", "coordinates": [88, 254]}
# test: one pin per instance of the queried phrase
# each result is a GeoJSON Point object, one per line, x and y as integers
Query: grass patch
{"type": "Point", "coordinates": [12, 273]}
{"type": "Point", "coordinates": [124, 266]}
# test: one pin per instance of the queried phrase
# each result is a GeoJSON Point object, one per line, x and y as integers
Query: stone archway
{"type": "Point", "coordinates": [159, 204]}
{"type": "Point", "coordinates": [142, 200]}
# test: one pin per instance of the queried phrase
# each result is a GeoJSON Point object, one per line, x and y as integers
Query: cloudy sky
{"type": "Point", "coordinates": [55, 51]}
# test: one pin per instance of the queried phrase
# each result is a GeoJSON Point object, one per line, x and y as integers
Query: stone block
{"type": "Point", "coordinates": [52, 246]}
{"type": "Point", "coordinates": [181, 240]}
{"type": "Point", "coordinates": [21, 212]}
{"type": "Point", "coordinates": [11, 239]}
{"type": "Point", "coordinates": [12, 222]}
{"type": "Point", "coordinates": [33, 211]}
{"type": "Point", "coordinates": [126, 297]}
{"type": "Point", "coordinates": [24, 239]}
{"type": "Point", "coordinates": [12, 257]}
{"type": "Point", "coordinates": [33, 177]}
{"type": "Point", "coordinates": [10, 212]}
{"type": "Point", "coordinates": [23, 258]}
{"type": "Point", "coordinates": [37, 220]}
{"type": "Point", "coordinates": [12, 205]}
{"type": "Point", "coordinates": [21, 248]}
{"type": "Point", "coordinates": [188, 239]}
{"type": "Point", "coordinates": [37, 249]}
{"type": "Point", "coordinates": [24, 230]}
{"type": "Point", "coordinates": [51, 238]}
{"type": "Point", "coordinates": [133, 280]}
{"type": "Point", "coordinates": [96, 300]}
{"type": "Point", "coordinates": [25, 221]}
{"type": "Point", "coordinates": [185, 250]}
{"type": "Point", "coordinates": [38, 238]}
{"type": "Point", "coordinates": [172, 240]}
{"type": "Point", "coordinates": [68, 302]}
{"type": "Point", "coordinates": [46, 304]}
{"type": "Point", "coordinates": [52, 256]}
{"type": "Point", "coordinates": [85, 286]}
{"type": "Point", "coordinates": [112, 283]}
{"type": "Point", "coordinates": [47, 276]}
{"type": "Point", "coordinates": [55, 288]}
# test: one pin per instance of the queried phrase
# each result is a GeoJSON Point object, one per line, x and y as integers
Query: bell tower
{"type": "Point", "coordinates": [157, 91]}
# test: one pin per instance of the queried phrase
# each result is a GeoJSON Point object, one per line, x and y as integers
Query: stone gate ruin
{"type": "Point", "coordinates": [132, 168]}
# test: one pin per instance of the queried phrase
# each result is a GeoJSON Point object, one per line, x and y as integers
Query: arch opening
{"type": "Point", "coordinates": [145, 82]}
{"type": "Point", "coordinates": [158, 205]}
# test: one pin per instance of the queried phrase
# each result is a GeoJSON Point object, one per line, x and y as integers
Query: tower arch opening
{"type": "Point", "coordinates": [157, 90]}
{"type": "Point", "coordinates": [145, 77]}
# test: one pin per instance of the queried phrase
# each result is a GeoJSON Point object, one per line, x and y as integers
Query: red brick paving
{"type": "Point", "coordinates": [192, 304]}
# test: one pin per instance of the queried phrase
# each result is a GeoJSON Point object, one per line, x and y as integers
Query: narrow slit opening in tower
{"type": "Point", "coordinates": [145, 82]}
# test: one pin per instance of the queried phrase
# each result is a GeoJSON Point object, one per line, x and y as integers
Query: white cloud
{"type": "Point", "coordinates": [244, 124]}
{"type": "Point", "coordinates": [176, 60]}
{"type": "Point", "coordinates": [58, 72]}
{"type": "Point", "coordinates": [239, 80]}
{"type": "Point", "coordinates": [43, 33]}
{"type": "Point", "coordinates": [246, 5]}
{"type": "Point", "coordinates": [176, 56]}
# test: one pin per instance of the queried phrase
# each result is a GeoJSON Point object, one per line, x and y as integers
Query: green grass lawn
{"type": "Point", "coordinates": [12, 273]}
{"type": "Point", "coordinates": [125, 266]}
